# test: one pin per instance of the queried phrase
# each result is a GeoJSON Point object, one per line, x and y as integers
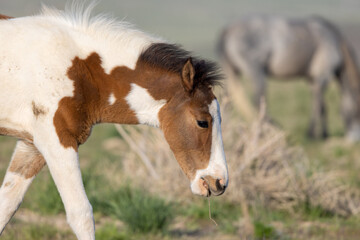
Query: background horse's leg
{"type": "Point", "coordinates": [350, 113]}
{"type": "Point", "coordinates": [318, 124]}
{"type": "Point", "coordinates": [258, 78]}
{"type": "Point", "coordinates": [26, 162]}
{"type": "Point", "coordinates": [350, 106]}
{"type": "Point", "coordinates": [64, 167]}
{"type": "Point", "coordinates": [256, 75]}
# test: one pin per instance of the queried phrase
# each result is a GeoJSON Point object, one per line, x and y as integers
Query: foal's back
{"type": "Point", "coordinates": [280, 46]}
{"type": "Point", "coordinates": [34, 55]}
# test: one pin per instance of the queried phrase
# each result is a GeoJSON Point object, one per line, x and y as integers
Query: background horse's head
{"type": "Point", "coordinates": [190, 119]}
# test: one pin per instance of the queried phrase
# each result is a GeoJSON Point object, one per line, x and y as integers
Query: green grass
{"type": "Point", "coordinates": [93, 151]}
{"type": "Point", "coordinates": [110, 232]}
{"type": "Point", "coordinates": [141, 212]}
{"type": "Point", "coordinates": [34, 231]}
{"type": "Point", "coordinates": [312, 213]}
{"type": "Point", "coordinates": [289, 105]}
{"type": "Point", "coordinates": [224, 213]}
{"type": "Point", "coordinates": [263, 231]}
{"type": "Point", "coordinates": [43, 197]}
{"type": "Point", "coordinates": [7, 146]}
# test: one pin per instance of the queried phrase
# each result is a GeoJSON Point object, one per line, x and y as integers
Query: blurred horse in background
{"type": "Point", "coordinates": [261, 46]}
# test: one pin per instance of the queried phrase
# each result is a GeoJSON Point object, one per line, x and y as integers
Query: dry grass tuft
{"type": "Point", "coordinates": [262, 167]}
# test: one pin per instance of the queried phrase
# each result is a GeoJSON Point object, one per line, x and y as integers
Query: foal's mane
{"type": "Point", "coordinates": [172, 57]}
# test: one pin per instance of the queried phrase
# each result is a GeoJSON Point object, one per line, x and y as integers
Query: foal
{"type": "Point", "coordinates": [60, 75]}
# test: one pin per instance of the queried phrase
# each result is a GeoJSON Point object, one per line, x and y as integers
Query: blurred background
{"type": "Point", "coordinates": [283, 185]}
{"type": "Point", "coordinates": [196, 25]}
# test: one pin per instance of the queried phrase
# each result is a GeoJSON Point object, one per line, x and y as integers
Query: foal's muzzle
{"type": "Point", "coordinates": [214, 186]}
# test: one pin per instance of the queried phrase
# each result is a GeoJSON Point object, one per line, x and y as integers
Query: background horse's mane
{"type": "Point", "coordinates": [172, 58]}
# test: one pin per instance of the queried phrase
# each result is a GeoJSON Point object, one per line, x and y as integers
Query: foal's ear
{"type": "Point", "coordinates": [187, 74]}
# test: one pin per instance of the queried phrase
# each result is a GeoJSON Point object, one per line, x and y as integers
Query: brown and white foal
{"type": "Point", "coordinates": [60, 75]}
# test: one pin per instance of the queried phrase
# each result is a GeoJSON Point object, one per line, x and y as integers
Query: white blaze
{"type": "Point", "coordinates": [144, 105]}
{"type": "Point", "coordinates": [217, 167]}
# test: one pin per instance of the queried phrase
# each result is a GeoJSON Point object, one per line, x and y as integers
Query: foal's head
{"type": "Point", "coordinates": [191, 119]}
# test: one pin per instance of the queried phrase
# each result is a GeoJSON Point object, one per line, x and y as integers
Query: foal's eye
{"type": "Point", "coordinates": [203, 124]}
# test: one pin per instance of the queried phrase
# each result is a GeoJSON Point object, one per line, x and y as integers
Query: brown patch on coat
{"type": "Point", "coordinates": [38, 110]}
{"type": "Point", "coordinates": [76, 115]}
{"type": "Point", "coordinates": [27, 160]}
{"type": "Point", "coordinates": [4, 17]}
{"type": "Point", "coordinates": [7, 184]}
{"type": "Point", "coordinates": [160, 70]}
{"type": "Point", "coordinates": [16, 133]}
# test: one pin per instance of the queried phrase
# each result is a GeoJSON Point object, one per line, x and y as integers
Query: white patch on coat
{"type": "Point", "coordinates": [144, 105]}
{"type": "Point", "coordinates": [217, 167]}
{"type": "Point", "coordinates": [112, 99]}
{"type": "Point", "coordinates": [117, 42]}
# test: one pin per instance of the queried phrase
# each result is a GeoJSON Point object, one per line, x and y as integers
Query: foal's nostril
{"type": "Point", "coordinates": [215, 186]}
{"type": "Point", "coordinates": [222, 182]}
{"type": "Point", "coordinates": [219, 186]}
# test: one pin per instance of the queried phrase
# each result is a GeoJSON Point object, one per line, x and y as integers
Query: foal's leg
{"type": "Point", "coordinates": [318, 125]}
{"type": "Point", "coordinates": [65, 170]}
{"type": "Point", "coordinates": [26, 162]}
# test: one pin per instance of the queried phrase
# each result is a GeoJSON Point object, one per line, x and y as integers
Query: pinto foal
{"type": "Point", "coordinates": [60, 75]}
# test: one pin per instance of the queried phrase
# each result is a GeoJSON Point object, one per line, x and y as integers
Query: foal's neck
{"type": "Point", "coordinates": [124, 96]}
{"type": "Point", "coordinates": [118, 86]}
{"type": "Point", "coordinates": [140, 93]}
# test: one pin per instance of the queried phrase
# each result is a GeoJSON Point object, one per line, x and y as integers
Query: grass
{"type": "Point", "coordinates": [142, 213]}
{"type": "Point", "coordinates": [43, 196]}
{"type": "Point", "coordinates": [263, 231]}
{"type": "Point", "coordinates": [147, 216]}
{"type": "Point", "coordinates": [289, 104]}
{"type": "Point", "coordinates": [110, 232]}
{"type": "Point", "coordinates": [224, 213]}
{"type": "Point", "coordinates": [33, 231]}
